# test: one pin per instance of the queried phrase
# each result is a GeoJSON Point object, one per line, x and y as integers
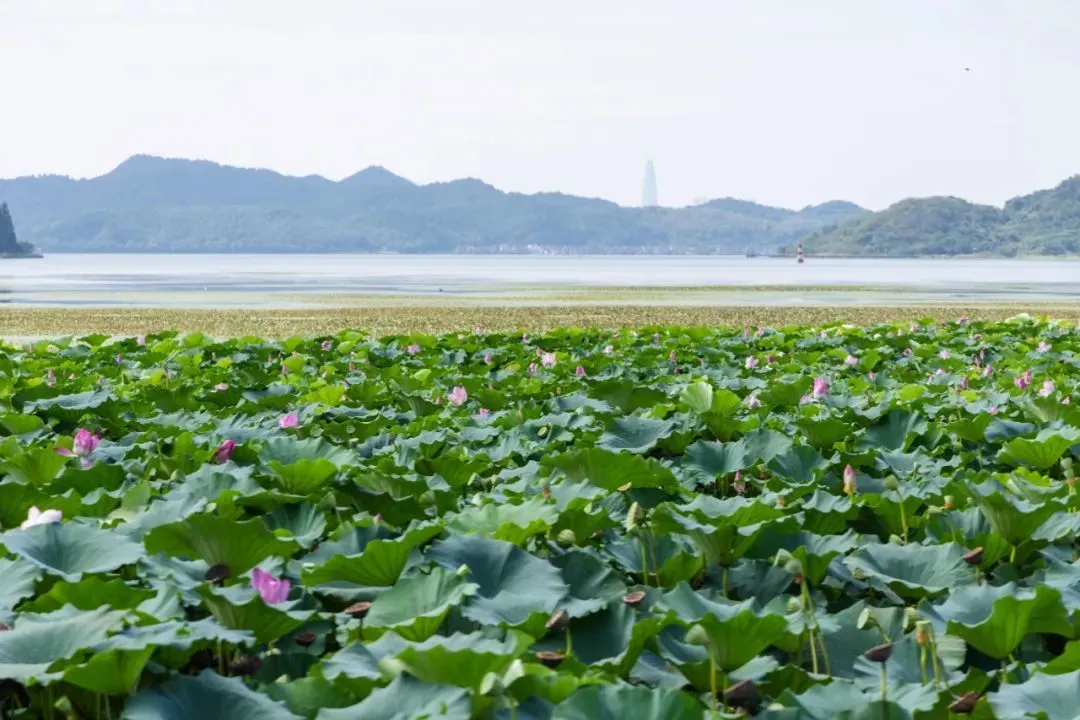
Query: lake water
{"type": "Point", "coordinates": [259, 280]}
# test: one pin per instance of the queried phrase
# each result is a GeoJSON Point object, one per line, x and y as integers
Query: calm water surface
{"type": "Point", "coordinates": [209, 280]}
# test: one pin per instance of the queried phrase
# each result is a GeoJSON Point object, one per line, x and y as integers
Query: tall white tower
{"type": "Point", "coordinates": [648, 193]}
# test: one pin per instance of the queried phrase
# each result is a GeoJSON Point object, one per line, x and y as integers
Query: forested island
{"type": "Point", "coordinates": [151, 204]}
{"type": "Point", "coordinates": [10, 247]}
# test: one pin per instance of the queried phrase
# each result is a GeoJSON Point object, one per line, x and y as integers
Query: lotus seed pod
{"type": "Point", "coordinates": [566, 537]}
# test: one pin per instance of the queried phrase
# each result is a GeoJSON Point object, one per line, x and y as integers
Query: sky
{"type": "Point", "coordinates": [784, 102]}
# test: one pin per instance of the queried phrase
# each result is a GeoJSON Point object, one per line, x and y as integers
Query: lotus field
{"type": "Point", "coordinates": [663, 524]}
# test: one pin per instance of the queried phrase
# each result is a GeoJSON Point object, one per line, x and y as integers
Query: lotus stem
{"type": "Point", "coordinates": [813, 650]}
{"type": "Point", "coordinates": [884, 687]}
{"type": "Point", "coordinates": [712, 682]}
{"type": "Point", "coordinates": [824, 654]}
{"type": "Point", "coordinates": [644, 563]}
{"type": "Point", "coordinates": [655, 563]}
{"type": "Point", "coordinates": [725, 574]}
{"type": "Point", "coordinates": [569, 643]}
{"type": "Point", "coordinates": [1012, 556]}
{"type": "Point", "coordinates": [903, 519]}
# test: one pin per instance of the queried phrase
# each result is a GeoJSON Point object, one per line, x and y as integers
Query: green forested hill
{"type": "Point", "coordinates": [151, 204]}
{"type": "Point", "coordinates": [1046, 222]}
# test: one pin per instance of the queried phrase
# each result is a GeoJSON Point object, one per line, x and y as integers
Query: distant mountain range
{"type": "Point", "coordinates": [151, 204]}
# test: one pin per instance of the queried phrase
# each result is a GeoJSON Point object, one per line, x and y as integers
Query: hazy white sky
{"type": "Point", "coordinates": [786, 102]}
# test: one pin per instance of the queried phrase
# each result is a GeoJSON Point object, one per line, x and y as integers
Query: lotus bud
{"type": "Point", "coordinates": [566, 538]}
{"type": "Point", "coordinates": [866, 620]}
{"type": "Point", "coordinates": [891, 483]}
{"type": "Point", "coordinates": [463, 570]}
{"type": "Point", "coordinates": [794, 605]}
{"type": "Point", "coordinates": [542, 432]}
{"type": "Point", "coordinates": [849, 480]}
{"type": "Point", "coordinates": [949, 503]}
{"type": "Point", "coordinates": [634, 517]}
{"type": "Point", "coordinates": [696, 635]}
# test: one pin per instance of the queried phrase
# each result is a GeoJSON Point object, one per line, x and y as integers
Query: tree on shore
{"type": "Point", "coordinates": [8, 242]}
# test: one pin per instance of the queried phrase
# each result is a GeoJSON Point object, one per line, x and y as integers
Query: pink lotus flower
{"type": "Point", "coordinates": [532, 368]}
{"type": "Point", "coordinates": [962, 320]}
{"type": "Point", "coordinates": [821, 388]}
{"type": "Point", "coordinates": [1043, 346]}
{"type": "Point", "coordinates": [988, 371]}
{"type": "Point", "coordinates": [548, 360]}
{"type": "Point", "coordinates": [288, 421]}
{"type": "Point", "coordinates": [50, 378]}
{"type": "Point", "coordinates": [412, 349]}
{"type": "Point", "coordinates": [907, 352]}
{"type": "Point", "coordinates": [608, 350]}
{"type": "Point", "coordinates": [770, 358]}
{"type": "Point", "coordinates": [760, 332]}
{"type": "Point", "coordinates": [872, 376]}
{"type": "Point", "coordinates": [457, 396]}
{"type": "Point", "coordinates": [1065, 400]}
{"type": "Point", "coordinates": [751, 362]}
{"type": "Point", "coordinates": [327, 345]}
{"type": "Point", "coordinates": [580, 371]}
{"type": "Point", "coordinates": [739, 485]}
{"type": "Point", "coordinates": [483, 413]}
{"type": "Point", "coordinates": [753, 402]}
{"type": "Point", "coordinates": [120, 358]}
{"type": "Point", "coordinates": [944, 355]}
{"type": "Point", "coordinates": [41, 517]}
{"type": "Point", "coordinates": [1021, 382]}
{"type": "Point", "coordinates": [85, 442]}
{"type": "Point", "coordinates": [487, 358]}
{"type": "Point", "coordinates": [849, 480]}
{"type": "Point", "coordinates": [224, 452]}
{"type": "Point", "coordinates": [221, 386]}
{"type": "Point", "coordinates": [851, 360]}
{"type": "Point", "coordinates": [525, 337]}
{"type": "Point", "coordinates": [140, 340]}
{"type": "Point", "coordinates": [1047, 389]}
{"type": "Point", "coordinates": [964, 383]}
{"type": "Point", "coordinates": [993, 410]}
{"type": "Point", "coordinates": [272, 590]}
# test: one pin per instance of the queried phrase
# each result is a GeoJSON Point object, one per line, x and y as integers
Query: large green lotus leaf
{"type": "Point", "coordinates": [635, 434]}
{"type": "Point", "coordinates": [37, 641]}
{"type": "Point", "coordinates": [626, 395]}
{"type": "Point", "coordinates": [722, 538]}
{"type": "Point", "coordinates": [737, 630]}
{"type": "Point", "coordinates": [845, 642]}
{"type": "Point", "coordinates": [1041, 452]}
{"type": "Point", "coordinates": [512, 522]}
{"type": "Point", "coordinates": [788, 391]}
{"type": "Point", "coordinates": [460, 659]}
{"type": "Point", "coordinates": [378, 564]}
{"type": "Point", "coordinates": [289, 450]}
{"type": "Point", "coordinates": [207, 696]}
{"type": "Point", "coordinates": [71, 407]}
{"type": "Point", "coordinates": [814, 552]}
{"type": "Point", "coordinates": [708, 459]}
{"type": "Point", "coordinates": [611, 471]}
{"type": "Point", "coordinates": [238, 544]}
{"type": "Point", "coordinates": [840, 700]}
{"type": "Point", "coordinates": [669, 558]}
{"type": "Point", "coordinates": [417, 605]}
{"type": "Point", "coordinates": [26, 425]}
{"type": "Point", "coordinates": [1013, 519]}
{"type": "Point", "coordinates": [302, 522]}
{"type": "Point", "coordinates": [110, 671]}
{"type": "Point", "coordinates": [36, 466]}
{"type": "Point", "coordinates": [896, 430]}
{"type": "Point", "coordinates": [765, 445]}
{"type": "Point", "coordinates": [913, 571]}
{"type": "Point", "coordinates": [512, 584]}
{"type": "Point", "coordinates": [612, 639]}
{"type": "Point", "coordinates": [239, 607]}
{"type": "Point", "coordinates": [89, 593]}
{"type": "Point", "coordinates": [593, 584]}
{"type": "Point", "coordinates": [1054, 697]}
{"type": "Point", "coordinates": [906, 665]}
{"type": "Point", "coordinates": [408, 699]}
{"type": "Point", "coordinates": [824, 433]}
{"type": "Point", "coordinates": [800, 464]}
{"type": "Point", "coordinates": [356, 666]}
{"type": "Point", "coordinates": [995, 619]}
{"type": "Point", "coordinates": [827, 514]}
{"type": "Point", "coordinates": [19, 580]}
{"type": "Point", "coordinates": [623, 702]}
{"type": "Point", "coordinates": [698, 396]}
{"type": "Point", "coordinates": [305, 476]}
{"type": "Point", "coordinates": [307, 696]}
{"type": "Point", "coordinates": [72, 549]}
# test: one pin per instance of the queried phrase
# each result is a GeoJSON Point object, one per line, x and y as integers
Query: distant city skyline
{"type": "Point", "coordinates": [649, 197]}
